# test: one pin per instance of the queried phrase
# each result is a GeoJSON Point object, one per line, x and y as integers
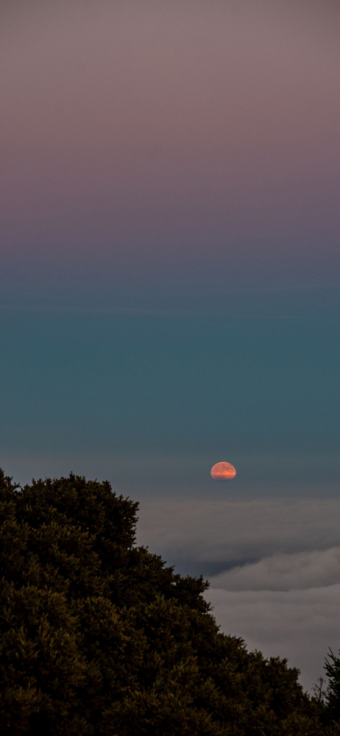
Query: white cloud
{"type": "Point", "coordinates": [284, 572]}
{"type": "Point", "coordinates": [299, 625]}
{"type": "Point", "coordinates": [278, 585]}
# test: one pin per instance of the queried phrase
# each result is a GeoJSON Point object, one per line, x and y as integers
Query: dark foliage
{"type": "Point", "coordinates": [99, 638]}
{"type": "Point", "coordinates": [330, 696]}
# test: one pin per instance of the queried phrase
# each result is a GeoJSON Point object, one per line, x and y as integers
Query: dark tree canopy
{"type": "Point", "coordinates": [331, 698]}
{"type": "Point", "coordinates": [98, 637]}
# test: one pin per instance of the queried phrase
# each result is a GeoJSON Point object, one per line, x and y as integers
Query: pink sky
{"type": "Point", "coordinates": [191, 138]}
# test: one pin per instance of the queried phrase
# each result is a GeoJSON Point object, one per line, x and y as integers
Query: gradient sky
{"type": "Point", "coordinates": [153, 148]}
{"type": "Point", "coordinates": [170, 260]}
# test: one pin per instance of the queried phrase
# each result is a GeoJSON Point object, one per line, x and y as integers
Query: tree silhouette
{"type": "Point", "coordinates": [99, 637]}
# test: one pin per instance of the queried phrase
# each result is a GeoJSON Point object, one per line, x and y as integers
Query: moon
{"type": "Point", "coordinates": [223, 471]}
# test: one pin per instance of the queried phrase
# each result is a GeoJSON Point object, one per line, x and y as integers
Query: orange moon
{"type": "Point", "coordinates": [223, 471]}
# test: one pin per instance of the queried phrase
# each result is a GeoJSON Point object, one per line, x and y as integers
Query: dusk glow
{"type": "Point", "coordinates": [170, 286]}
{"type": "Point", "coordinates": [182, 144]}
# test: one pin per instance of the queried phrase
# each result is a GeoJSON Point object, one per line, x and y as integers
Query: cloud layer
{"type": "Point", "coordinates": [284, 572]}
{"type": "Point", "coordinates": [299, 625]}
{"type": "Point", "coordinates": [276, 565]}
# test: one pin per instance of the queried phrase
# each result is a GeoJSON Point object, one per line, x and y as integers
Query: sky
{"type": "Point", "coordinates": [170, 286]}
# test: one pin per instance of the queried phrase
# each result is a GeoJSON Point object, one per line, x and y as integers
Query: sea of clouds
{"type": "Point", "coordinates": [273, 567]}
